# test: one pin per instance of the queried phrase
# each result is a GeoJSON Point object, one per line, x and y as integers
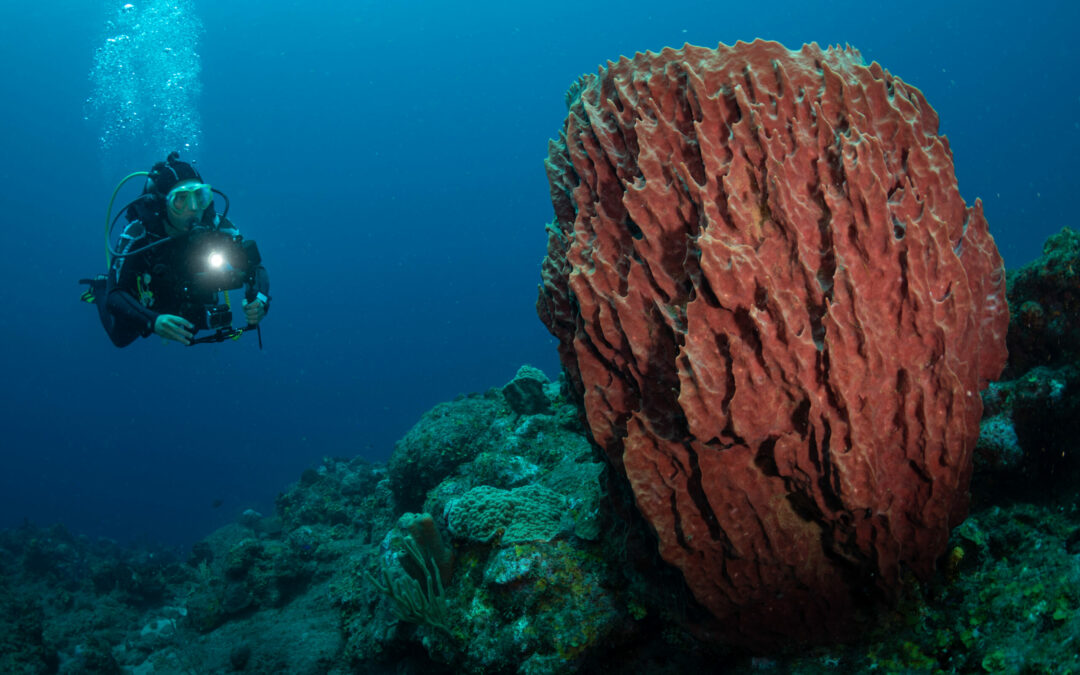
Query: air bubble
{"type": "Point", "coordinates": [145, 79]}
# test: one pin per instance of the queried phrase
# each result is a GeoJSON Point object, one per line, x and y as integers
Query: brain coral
{"type": "Point", "coordinates": [528, 513]}
{"type": "Point", "coordinates": [779, 313]}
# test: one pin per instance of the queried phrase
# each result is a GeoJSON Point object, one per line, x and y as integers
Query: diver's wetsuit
{"type": "Point", "coordinates": [143, 286]}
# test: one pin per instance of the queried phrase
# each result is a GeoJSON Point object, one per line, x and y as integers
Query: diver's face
{"type": "Point", "coordinates": [182, 213]}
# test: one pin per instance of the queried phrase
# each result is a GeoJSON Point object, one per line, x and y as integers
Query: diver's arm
{"type": "Point", "coordinates": [261, 285]}
{"type": "Point", "coordinates": [124, 306]}
{"type": "Point", "coordinates": [257, 300]}
{"type": "Point", "coordinates": [121, 299]}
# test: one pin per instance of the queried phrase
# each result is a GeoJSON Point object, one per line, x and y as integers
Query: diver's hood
{"type": "Point", "coordinates": [164, 175]}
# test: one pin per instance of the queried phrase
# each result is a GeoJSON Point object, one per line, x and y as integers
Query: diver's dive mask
{"type": "Point", "coordinates": [189, 198]}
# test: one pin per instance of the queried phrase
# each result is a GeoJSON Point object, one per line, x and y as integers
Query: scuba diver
{"type": "Point", "coordinates": [174, 259]}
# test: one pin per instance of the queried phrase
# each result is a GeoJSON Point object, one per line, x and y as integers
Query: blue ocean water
{"type": "Point", "coordinates": [387, 157]}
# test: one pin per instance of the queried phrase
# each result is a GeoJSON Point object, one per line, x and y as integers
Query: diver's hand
{"type": "Point", "coordinates": [254, 311]}
{"type": "Point", "coordinates": [172, 327]}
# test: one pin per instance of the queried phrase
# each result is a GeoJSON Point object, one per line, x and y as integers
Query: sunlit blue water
{"type": "Point", "coordinates": [388, 159]}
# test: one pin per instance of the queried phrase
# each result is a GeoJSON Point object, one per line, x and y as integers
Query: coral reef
{"type": "Point", "coordinates": [532, 580]}
{"type": "Point", "coordinates": [779, 313]}
{"type": "Point", "coordinates": [585, 596]}
{"type": "Point", "coordinates": [452, 434]}
{"type": "Point", "coordinates": [1027, 447]}
{"type": "Point", "coordinates": [1044, 329]}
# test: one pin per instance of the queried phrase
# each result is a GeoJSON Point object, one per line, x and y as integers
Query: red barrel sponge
{"type": "Point", "coordinates": [779, 313]}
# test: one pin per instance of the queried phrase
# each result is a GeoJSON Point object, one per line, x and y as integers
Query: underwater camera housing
{"type": "Point", "coordinates": [219, 262]}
